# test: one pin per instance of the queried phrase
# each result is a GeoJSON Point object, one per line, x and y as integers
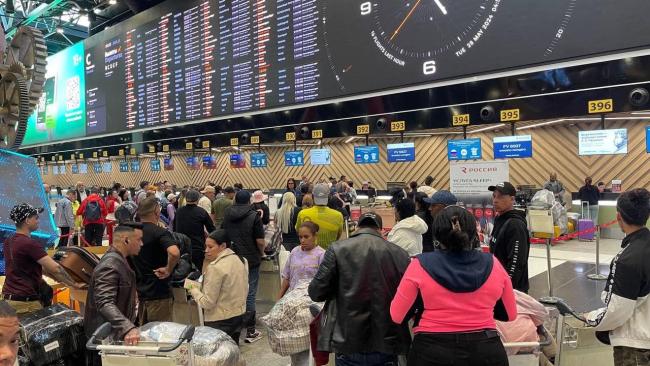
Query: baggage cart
{"type": "Point", "coordinates": [145, 353]}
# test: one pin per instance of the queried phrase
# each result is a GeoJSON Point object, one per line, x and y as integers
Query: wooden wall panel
{"type": "Point", "coordinates": [555, 149]}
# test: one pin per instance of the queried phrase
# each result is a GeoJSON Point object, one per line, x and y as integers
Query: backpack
{"type": "Point", "coordinates": [185, 267]}
{"type": "Point", "coordinates": [126, 212]}
{"type": "Point", "coordinates": [93, 211]}
{"type": "Point", "coordinates": [272, 238]}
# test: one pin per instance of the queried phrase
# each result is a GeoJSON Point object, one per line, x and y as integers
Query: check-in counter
{"type": "Point", "coordinates": [606, 214]}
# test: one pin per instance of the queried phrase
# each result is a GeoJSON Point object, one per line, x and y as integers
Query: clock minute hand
{"type": "Point", "coordinates": [441, 7]}
{"type": "Point", "coordinates": [399, 28]}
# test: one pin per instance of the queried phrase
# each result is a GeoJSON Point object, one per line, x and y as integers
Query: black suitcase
{"type": "Point", "coordinates": [52, 334]}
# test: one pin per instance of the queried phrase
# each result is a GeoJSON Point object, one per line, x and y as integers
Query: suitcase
{"type": "Point", "coordinates": [585, 223]}
{"type": "Point", "coordinates": [78, 262]}
{"type": "Point", "coordinates": [51, 335]}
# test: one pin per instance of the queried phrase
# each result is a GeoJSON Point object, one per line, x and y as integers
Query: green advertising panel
{"type": "Point", "coordinates": [61, 111]}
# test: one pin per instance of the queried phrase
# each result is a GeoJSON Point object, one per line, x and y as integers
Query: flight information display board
{"type": "Point", "coordinates": [195, 60]}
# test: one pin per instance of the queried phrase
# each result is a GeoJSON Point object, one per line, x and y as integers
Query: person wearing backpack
{"type": "Point", "coordinates": [64, 217]}
{"type": "Point", "coordinates": [93, 211]}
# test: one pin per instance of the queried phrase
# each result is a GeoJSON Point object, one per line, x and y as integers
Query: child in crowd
{"type": "Point", "coordinates": [304, 260]}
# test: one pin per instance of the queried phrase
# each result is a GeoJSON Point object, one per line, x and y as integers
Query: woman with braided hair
{"type": "Point", "coordinates": [455, 293]}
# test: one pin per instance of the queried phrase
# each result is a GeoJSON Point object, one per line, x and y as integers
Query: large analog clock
{"type": "Point", "coordinates": [405, 42]}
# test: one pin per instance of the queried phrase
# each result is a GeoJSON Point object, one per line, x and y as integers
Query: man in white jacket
{"type": "Point", "coordinates": [407, 233]}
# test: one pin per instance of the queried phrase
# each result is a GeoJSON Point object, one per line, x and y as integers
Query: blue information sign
{"type": "Point", "coordinates": [259, 160]}
{"type": "Point", "coordinates": [83, 168]}
{"type": "Point", "coordinates": [75, 169]}
{"type": "Point", "coordinates": [124, 167]}
{"type": "Point", "coordinates": [97, 168]}
{"type": "Point", "coordinates": [513, 147]}
{"type": "Point", "coordinates": [135, 166]}
{"type": "Point", "coordinates": [155, 165]}
{"type": "Point", "coordinates": [366, 154]}
{"type": "Point", "coordinates": [647, 139]}
{"type": "Point", "coordinates": [294, 158]}
{"type": "Point", "coordinates": [464, 149]}
{"type": "Point", "coordinates": [107, 167]}
{"type": "Point", "coordinates": [401, 152]}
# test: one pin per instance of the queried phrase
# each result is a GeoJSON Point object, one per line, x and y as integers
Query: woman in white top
{"type": "Point", "coordinates": [407, 232]}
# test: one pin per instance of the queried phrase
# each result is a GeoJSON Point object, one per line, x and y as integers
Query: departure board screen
{"type": "Point", "coordinates": [196, 60]}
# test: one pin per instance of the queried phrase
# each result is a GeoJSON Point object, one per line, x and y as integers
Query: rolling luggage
{"type": "Point", "coordinates": [585, 223]}
{"type": "Point", "coordinates": [78, 262]}
{"type": "Point", "coordinates": [52, 335]}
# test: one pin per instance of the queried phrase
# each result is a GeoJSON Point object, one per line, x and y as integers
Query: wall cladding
{"type": "Point", "coordinates": [555, 148]}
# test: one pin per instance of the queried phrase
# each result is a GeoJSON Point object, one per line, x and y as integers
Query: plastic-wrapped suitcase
{"type": "Point", "coordinates": [52, 334]}
{"type": "Point", "coordinates": [77, 261]}
{"type": "Point", "coordinates": [585, 223]}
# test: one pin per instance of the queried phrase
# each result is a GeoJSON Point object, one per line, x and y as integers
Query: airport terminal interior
{"type": "Point", "coordinates": [324, 182]}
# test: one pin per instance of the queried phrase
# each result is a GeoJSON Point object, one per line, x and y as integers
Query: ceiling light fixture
{"type": "Point", "coordinates": [59, 30]}
{"type": "Point", "coordinates": [488, 128]}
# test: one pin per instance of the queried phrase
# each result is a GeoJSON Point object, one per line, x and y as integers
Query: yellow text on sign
{"type": "Point", "coordinates": [72, 157]}
{"type": "Point", "coordinates": [600, 106]}
{"type": "Point", "coordinates": [398, 126]}
{"type": "Point", "coordinates": [255, 139]}
{"type": "Point", "coordinates": [317, 134]}
{"type": "Point", "coordinates": [205, 144]}
{"type": "Point", "coordinates": [81, 156]}
{"type": "Point", "coordinates": [95, 155]}
{"type": "Point", "coordinates": [510, 115]}
{"type": "Point", "coordinates": [460, 120]}
{"type": "Point", "coordinates": [152, 149]}
{"type": "Point", "coordinates": [234, 141]}
{"type": "Point", "coordinates": [363, 129]}
{"type": "Point", "coordinates": [189, 146]}
{"type": "Point", "coordinates": [291, 136]}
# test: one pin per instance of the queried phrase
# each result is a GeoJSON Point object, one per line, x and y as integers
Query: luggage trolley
{"type": "Point", "coordinates": [145, 353]}
{"type": "Point", "coordinates": [529, 357]}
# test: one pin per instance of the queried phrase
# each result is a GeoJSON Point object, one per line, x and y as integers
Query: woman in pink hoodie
{"type": "Point", "coordinates": [455, 294]}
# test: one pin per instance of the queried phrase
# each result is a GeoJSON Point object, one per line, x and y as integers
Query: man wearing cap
{"type": "Point", "coordinates": [437, 202]}
{"type": "Point", "coordinates": [194, 222]}
{"type": "Point", "coordinates": [26, 260]}
{"type": "Point", "coordinates": [244, 227]}
{"type": "Point", "coordinates": [205, 202]}
{"type": "Point", "coordinates": [358, 279]}
{"type": "Point", "coordinates": [220, 205]}
{"type": "Point", "coordinates": [330, 221]}
{"type": "Point", "coordinates": [510, 242]}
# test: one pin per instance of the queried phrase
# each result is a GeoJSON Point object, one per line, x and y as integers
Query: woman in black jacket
{"type": "Point", "coordinates": [422, 210]}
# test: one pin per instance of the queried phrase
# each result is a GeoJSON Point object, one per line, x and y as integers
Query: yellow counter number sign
{"type": "Point", "coordinates": [600, 106]}
{"type": "Point", "coordinates": [460, 120]}
{"type": "Point", "coordinates": [205, 144]}
{"type": "Point", "coordinates": [317, 134]}
{"type": "Point", "coordinates": [234, 141]}
{"type": "Point", "coordinates": [397, 126]}
{"type": "Point", "coordinates": [166, 148]}
{"type": "Point", "coordinates": [189, 146]}
{"type": "Point", "coordinates": [363, 129]}
{"type": "Point", "coordinates": [291, 136]}
{"type": "Point", "coordinates": [152, 149]}
{"type": "Point", "coordinates": [255, 140]}
{"type": "Point", "coordinates": [510, 115]}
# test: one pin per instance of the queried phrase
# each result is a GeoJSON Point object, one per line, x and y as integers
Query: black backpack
{"type": "Point", "coordinates": [184, 268]}
{"type": "Point", "coordinates": [93, 211]}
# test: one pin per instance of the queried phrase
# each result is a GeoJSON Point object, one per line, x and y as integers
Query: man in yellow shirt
{"type": "Point", "coordinates": [330, 221]}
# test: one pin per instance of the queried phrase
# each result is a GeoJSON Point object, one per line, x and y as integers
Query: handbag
{"type": "Point", "coordinates": [44, 291]}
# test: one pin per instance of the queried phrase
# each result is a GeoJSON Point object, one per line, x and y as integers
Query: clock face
{"type": "Point", "coordinates": [426, 28]}
{"type": "Point", "coordinates": [406, 42]}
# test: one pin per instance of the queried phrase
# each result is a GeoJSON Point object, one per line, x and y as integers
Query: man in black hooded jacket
{"type": "Point", "coordinates": [510, 242]}
{"type": "Point", "coordinates": [244, 228]}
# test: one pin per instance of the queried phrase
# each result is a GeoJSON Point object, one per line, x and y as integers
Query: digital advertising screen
{"type": "Point", "coordinates": [602, 142]}
{"type": "Point", "coordinates": [294, 158]}
{"type": "Point", "coordinates": [647, 139]}
{"type": "Point", "coordinates": [168, 164]}
{"type": "Point", "coordinates": [124, 166]}
{"type": "Point", "coordinates": [75, 169]}
{"type": "Point", "coordinates": [135, 166]}
{"type": "Point", "coordinates": [520, 146]}
{"type": "Point", "coordinates": [399, 153]}
{"type": "Point", "coordinates": [209, 162]}
{"type": "Point", "coordinates": [237, 161]}
{"type": "Point", "coordinates": [97, 168]}
{"type": "Point", "coordinates": [366, 154]}
{"type": "Point", "coordinates": [469, 149]}
{"type": "Point", "coordinates": [193, 163]}
{"type": "Point", "coordinates": [259, 160]}
{"type": "Point", "coordinates": [61, 112]}
{"type": "Point", "coordinates": [20, 168]}
{"type": "Point", "coordinates": [195, 60]}
{"type": "Point", "coordinates": [154, 165]}
{"type": "Point", "coordinates": [320, 156]}
{"type": "Point", "coordinates": [107, 167]}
